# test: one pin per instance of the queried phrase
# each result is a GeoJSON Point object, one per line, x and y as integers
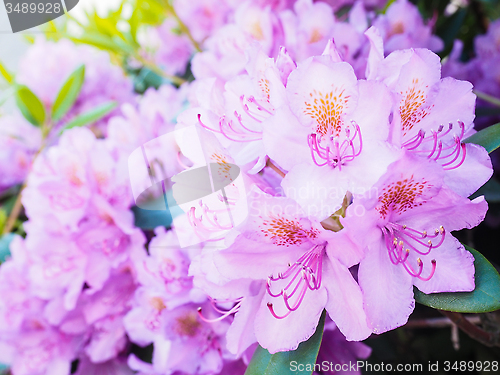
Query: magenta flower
{"type": "Point", "coordinates": [19, 142]}
{"type": "Point", "coordinates": [404, 225]}
{"type": "Point", "coordinates": [165, 313]}
{"type": "Point", "coordinates": [432, 115]}
{"type": "Point", "coordinates": [331, 134]}
{"type": "Point", "coordinates": [402, 27]}
{"type": "Point", "coordinates": [338, 353]}
{"type": "Point", "coordinates": [305, 273]}
{"type": "Point", "coordinates": [169, 50]}
{"type": "Point", "coordinates": [113, 367]}
{"type": "Point", "coordinates": [236, 115]}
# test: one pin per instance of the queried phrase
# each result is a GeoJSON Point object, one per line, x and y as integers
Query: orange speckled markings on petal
{"type": "Point", "coordinates": [327, 110]}
{"type": "Point", "coordinates": [286, 232]}
{"type": "Point", "coordinates": [187, 325]}
{"type": "Point", "coordinates": [410, 107]}
{"type": "Point", "coordinates": [401, 196]}
{"type": "Point", "coordinates": [157, 303]}
{"type": "Point", "coordinates": [264, 87]}
{"type": "Point", "coordinates": [224, 166]}
{"type": "Point", "coordinates": [316, 36]}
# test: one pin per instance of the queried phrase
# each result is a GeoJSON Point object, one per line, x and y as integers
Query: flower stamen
{"type": "Point", "coordinates": [305, 274]}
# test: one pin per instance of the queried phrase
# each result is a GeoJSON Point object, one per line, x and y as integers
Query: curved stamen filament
{"type": "Point", "coordinates": [227, 129]}
{"type": "Point", "coordinates": [225, 313]}
{"type": "Point", "coordinates": [418, 273]}
{"type": "Point", "coordinates": [304, 274]}
{"type": "Point", "coordinates": [260, 108]}
{"type": "Point", "coordinates": [335, 152]}
{"type": "Point", "coordinates": [207, 221]}
{"type": "Point", "coordinates": [401, 240]}
{"type": "Point", "coordinates": [437, 149]}
{"type": "Point", "coordinates": [240, 121]}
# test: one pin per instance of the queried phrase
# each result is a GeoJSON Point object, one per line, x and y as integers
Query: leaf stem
{"type": "Point", "coordinates": [487, 98]}
{"type": "Point", "coordinates": [486, 338]}
{"type": "Point", "coordinates": [16, 208]}
{"type": "Point", "coordinates": [174, 79]}
{"type": "Point", "coordinates": [182, 26]}
{"type": "Point", "coordinates": [438, 322]}
{"type": "Point", "coordinates": [14, 214]}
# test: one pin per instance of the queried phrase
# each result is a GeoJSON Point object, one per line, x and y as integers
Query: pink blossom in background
{"type": "Point", "coordinates": [402, 26]}
{"type": "Point", "coordinates": [167, 48]}
{"type": "Point", "coordinates": [47, 65]}
{"type": "Point", "coordinates": [340, 353]}
{"type": "Point", "coordinates": [19, 142]}
{"type": "Point", "coordinates": [165, 313]}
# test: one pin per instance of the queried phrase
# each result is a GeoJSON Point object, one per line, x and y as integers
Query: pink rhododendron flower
{"type": "Point", "coordinates": [168, 49]}
{"type": "Point", "coordinates": [47, 65]}
{"type": "Point", "coordinates": [165, 313]}
{"type": "Point", "coordinates": [306, 274]}
{"type": "Point", "coordinates": [19, 142]}
{"type": "Point", "coordinates": [402, 27]}
{"type": "Point", "coordinates": [433, 115]}
{"type": "Point", "coordinates": [338, 353]}
{"type": "Point", "coordinates": [406, 226]}
{"type": "Point", "coordinates": [328, 134]}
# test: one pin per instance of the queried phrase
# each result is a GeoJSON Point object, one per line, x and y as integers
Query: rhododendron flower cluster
{"type": "Point", "coordinates": [315, 165]}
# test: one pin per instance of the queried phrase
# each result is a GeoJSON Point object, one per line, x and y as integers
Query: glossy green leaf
{"type": "Point", "coordinates": [30, 106]}
{"type": "Point", "coordinates": [68, 93]}
{"type": "Point", "coordinates": [489, 138]}
{"type": "Point", "coordinates": [490, 190]}
{"type": "Point", "coordinates": [146, 79]}
{"type": "Point", "coordinates": [484, 298]}
{"type": "Point", "coordinates": [286, 363]}
{"type": "Point", "coordinates": [91, 116]}
{"type": "Point", "coordinates": [5, 241]}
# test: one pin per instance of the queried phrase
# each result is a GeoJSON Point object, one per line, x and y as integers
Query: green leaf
{"type": "Point", "coordinates": [100, 41]}
{"type": "Point", "coordinates": [6, 74]}
{"type": "Point", "coordinates": [489, 138]}
{"type": "Point", "coordinates": [30, 106]}
{"type": "Point", "coordinates": [68, 93]}
{"type": "Point", "coordinates": [91, 116]}
{"type": "Point", "coordinates": [487, 98]}
{"type": "Point", "coordinates": [264, 363]}
{"type": "Point", "coordinates": [147, 78]}
{"type": "Point", "coordinates": [5, 241]}
{"type": "Point", "coordinates": [490, 190]}
{"type": "Point", "coordinates": [484, 298]}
